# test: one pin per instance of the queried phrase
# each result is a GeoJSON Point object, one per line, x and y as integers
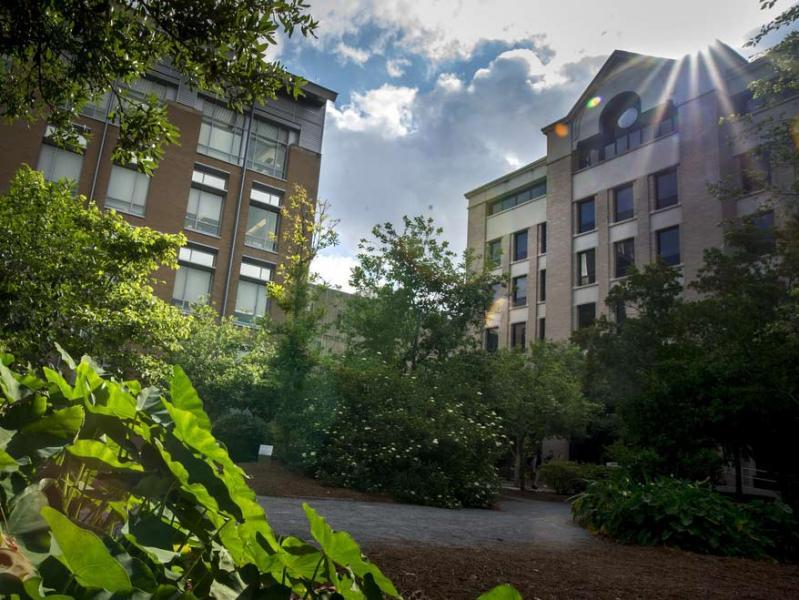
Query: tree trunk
{"type": "Point", "coordinates": [739, 488]}
{"type": "Point", "coordinates": [519, 462]}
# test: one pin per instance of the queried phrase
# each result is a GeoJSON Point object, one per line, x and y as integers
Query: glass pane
{"type": "Point", "coordinates": [198, 285]}
{"type": "Point", "coordinates": [586, 216]}
{"type": "Point", "coordinates": [586, 314]}
{"type": "Point", "coordinates": [666, 189]}
{"type": "Point", "coordinates": [623, 205]}
{"type": "Point", "coordinates": [520, 245]}
{"type": "Point", "coordinates": [261, 228]}
{"type": "Point", "coordinates": [668, 243]}
{"type": "Point", "coordinates": [265, 196]}
{"type": "Point", "coordinates": [57, 164]}
{"type": "Point", "coordinates": [520, 290]}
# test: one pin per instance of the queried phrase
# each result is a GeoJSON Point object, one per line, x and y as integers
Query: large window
{"type": "Point", "coordinates": [206, 196]}
{"type": "Point", "coordinates": [542, 238]}
{"type": "Point", "coordinates": [251, 297]}
{"type": "Point", "coordinates": [520, 290]}
{"type": "Point", "coordinates": [666, 189]}
{"type": "Point", "coordinates": [57, 163]}
{"type": "Point", "coordinates": [269, 148]}
{"type": "Point", "coordinates": [194, 276]}
{"type": "Point", "coordinates": [518, 336]}
{"type": "Point", "coordinates": [623, 203]}
{"type": "Point", "coordinates": [586, 267]}
{"type": "Point", "coordinates": [146, 86]}
{"type": "Point", "coordinates": [624, 255]}
{"type": "Point", "coordinates": [542, 285]}
{"type": "Point", "coordinates": [586, 315]}
{"type": "Point", "coordinates": [668, 245]}
{"type": "Point", "coordinates": [542, 328]}
{"type": "Point", "coordinates": [520, 245]}
{"type": "Point", "coordinates": [262, 223]}
{"type": "Point", "coordinates": [586, 215]}
{"type": "Point", "coordinates": [221, 132]}
{"type": "Point", "coordinates": [127, 190]}
{"type": "Point", "coordinates": [536, 190]}
{"type": "Point", "coordinates": [755, 170]}
{"type": "Point", "coordinates": [492, 339]}
{"type": "Point", "coordinates": [494, 253]}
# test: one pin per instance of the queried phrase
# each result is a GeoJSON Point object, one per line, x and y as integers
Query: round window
{"type": "Point", "coordinates": [628, 118]}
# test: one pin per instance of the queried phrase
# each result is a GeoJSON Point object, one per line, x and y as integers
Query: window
{"type": "Point", "coordinates": [620, 312]}
{"type": "Point", "coordinates": [623, 203]}
{"type": "Point", "coordinates": [542, 238]}
{"type": "Point", "coordinates": [127, 190]}
{"type": "Point", "coordinates": [624, 254]}
{"type": "Point", "coordinates": [586, 315]}
{"type": "Point", "coordinates": [261, 227]}
{"type": "Point", "coordinates": [666, 189]}
{"type": "Point", "coordinates": [193, 279]}
{"type": "Point", "coordinates": [264, 195]}
{"type": "Point", "coordinates": [57, 163]}
{"type": "Point", "coordinates": [585, 215]}
{"type": "Point", "coordinates": [251, 297]}
{"type": "Point", "coordinates": [494, 253]}
{"type": "Point", "coordinates": [536, 190]}
{"type": "Point", "coordinates": [542, 285]}
{"type": "Point", "coordinates": [269, 147]}
{"type": "Point", "coordinates": [668, 245]}
{"type": "Point", "coordinates": [518, 334]}
{"type": "Point", "coordinates": [764, 222]}
{"type": "Point", "coordinates": [586, 267]}
{"type": "Point", "coordinates": [755, 170]}
{"type": "Point", "coordinates": [145, 87]}
{"type": "Point", "coordinates": [98, 108]}
{"type": "Point", "coordinates": [492, 339]}
{"type": "Point", "coordinates": [520, 290]}
{"type": "Point", "coordinates": [206, 196]}
{"type": "Point", "coordinates": [520, 245]}
{"type": "Point", "coordinates": [221, 132]}
{"type": "Point", "coordinates": [542, 328]}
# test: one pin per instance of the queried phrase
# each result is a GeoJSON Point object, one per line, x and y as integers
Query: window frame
{"type": "Point", "coordinates": [516, 236]}
{"type": "Point", "coordinates": [618, 216]}
{"type": "Point", "coordinates": [516, 300]}
{"type": "Point", "coordinates": [203, 181]}
{"type": "Point", "coordinates": [537, 189]}
{"type": "Point", "coordinates": [269, 209]}
{"type": "Point", "coordinates": [579, 314]}
{"type": "Point", "coordinates": [491, 333]}
{"type": "Point", "coordinates": [235, 127]}
{"type": "Point", "coordinates": [542, 328]}
{"type": "Point", "coordinates": [542, 238]}
{"type": "Point", "coordinates": [579, 213]}
{"type": "Point", "coordinates": [186, 261]}
{"type": "Point", "coordinates": [590, 275]}
{"type": "Point", "coordinates": [515, 328]}
{"type": "Point", "coordinates": [658, 245]}
{"type": "Point", "coordinates": [492, 261]}
{"type": "Point", "coordinates": [281, 147]}
{"type": "Point", "coordinates": [128, 210]}
{"type": "Point", "coordinates": [661, 203]}
{"type": "Point", "coordinates": [245, 318]}
{"type": "Point", "coordinates": [616, 245]}
{"type": "Point", "coordinates": [542, 285]}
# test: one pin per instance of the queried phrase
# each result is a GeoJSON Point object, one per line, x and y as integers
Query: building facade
{"type": "Point", "coordinates": [624, 182]}
{"type": "Point", "coordinates": [223, 185]}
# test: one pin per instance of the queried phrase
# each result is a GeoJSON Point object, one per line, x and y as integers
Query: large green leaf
{"type": "Point", "coordinates": [502, 592]}
{"type": "Point", "coordinates": [9, 384]}
{"type": "Point", "coordinates": [63, 423]}
{"type": "Point", "coordinates": [185, 397]}
{"type": "Point", "coordinates": [101, 456]}
{"type": "Point", "coordinates": [85, 555]}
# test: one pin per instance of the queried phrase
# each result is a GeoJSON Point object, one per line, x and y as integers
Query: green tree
{"type": "Point", "coordinates": [539, 395]}
{"type": "Point", "coordinates": [416, 301]}
{"type": "Point", "coordinates": [75, 275]}
{"type": "Point", "coordinates": [57, 56]}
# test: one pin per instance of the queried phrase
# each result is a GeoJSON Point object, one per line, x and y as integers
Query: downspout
{"type": "Point", "coordinates": [102, 146]}
{"type": "Point", "coordinates": [233, 240]}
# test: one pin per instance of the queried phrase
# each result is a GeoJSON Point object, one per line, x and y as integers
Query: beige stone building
{"type": "Point", "coordinates": [624, 182]}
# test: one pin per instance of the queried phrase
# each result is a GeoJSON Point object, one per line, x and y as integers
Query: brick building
{"type": "Point", "coordinates": [624, 182]}
{"type": "Point", "coordinates": [223, 185]}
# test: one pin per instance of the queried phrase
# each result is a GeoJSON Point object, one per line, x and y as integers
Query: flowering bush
{"type": "Point", "coordinates": [425, 437]}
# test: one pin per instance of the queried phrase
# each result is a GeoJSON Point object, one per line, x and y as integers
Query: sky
{"type": "Point", "coordinates": [436, 97]}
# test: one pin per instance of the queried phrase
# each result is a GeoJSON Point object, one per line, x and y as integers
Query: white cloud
{"type": "Point", "coordinates": [351, 54]}
{"type": "Point", "coordinates": [335, 270]}
{"type": "Point", "coordinates": [387, 110]}
{"type": "Point", "coordinates": [449, 82]}
{"type": "Point", "coordinates": [396, 66]}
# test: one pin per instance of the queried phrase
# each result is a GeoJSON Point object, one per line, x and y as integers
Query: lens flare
{"type": "Point", "coordinates": [594, 102]}
{"type": "Point", "coordinates": [561, 130]}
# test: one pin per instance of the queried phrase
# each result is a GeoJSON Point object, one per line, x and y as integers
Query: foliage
{"type": "Point", "coordinates": [538, 395]}
{"type": "Point", "coordinates": [415, 302]}
{"type": "Point", "coordinates": [242, 433]}
{"type": "Point", "coordinates": [59, 56]}
{"type": "Point", "coordinates": [569, 478]}
{"type": "Point", "coordinates": [108, 486]}
{"type": "Point", "coordinates": [426, 437]}
{"type": "Point", "coordinates": [686, 515]}
{"type": "Point", "coordinates": [501, 592]}
{"type": "Point", "coordinates": [227, 364]}
{"type": "Point", "coordinates": [74, 274]}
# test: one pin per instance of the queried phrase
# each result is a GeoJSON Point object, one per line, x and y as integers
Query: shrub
{"type": "Point", "coordinates": [569, 478]}
{"type": "Point", "coordinates": [686, 515]}
{"type": "Point", "coordinates": [242, 433]}
{"type": "Point", "coordinates": [112, 489]}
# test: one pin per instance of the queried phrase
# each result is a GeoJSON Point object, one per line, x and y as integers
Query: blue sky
{"type": "Point", "coordinates": [439, 96]}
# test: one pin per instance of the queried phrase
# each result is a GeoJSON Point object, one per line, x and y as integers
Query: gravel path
{"type": "Point", "coordinates": [515, 520]}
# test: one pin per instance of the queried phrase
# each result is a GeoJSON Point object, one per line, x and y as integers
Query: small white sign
{"type": "Point", "coordinates": [265, 452]}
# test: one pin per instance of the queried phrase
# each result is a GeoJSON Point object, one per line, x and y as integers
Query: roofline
{"type": "Point", "coordinates": [507, 176]}
{"type": "Point", "coordinates": [319, 91]}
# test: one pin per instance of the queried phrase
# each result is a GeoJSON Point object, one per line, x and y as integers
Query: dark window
{"type": "Point", "coordinates": [520, 290]}
{"type": "Point", "coordinates": [542, 328]}
{"type": "Point", "coordinates": [586, 315]}
{"type": "Point", "coordinates": [620, 312]}
{"type": "Point", "coordinates": [538, 189]}
{"type": "Point", "coordinates": [492, 339]}
{"type": "Point", "coordinates": [586, 267]}
{"type": "Point", "coordinates": [518, 335]}
{"type": "Point", "coordinates": [586, 220]}
{"type": "Point", "coordinates": [623, 203]}
{"type": "Point", "coordinates": [494, 253]}
{"type": "Point", "coordinates": [520, 245]}
{"type": "Point", "coordinates": [624, 252]}
{"type": "Point", "coordinates": [542, 238]}
{"type": "Point", "coordinates": [755, 169]}
{"type": "Point", "coordinates": [498, 289]}
{"type": "Point", "coordinates": [668, 245]}
{"type": "Point", "coordinates": [764, 222]}
{"type": "Point", "coordinates": [666, 189]}
{"type": "Point", "coordinates": [542, 285]}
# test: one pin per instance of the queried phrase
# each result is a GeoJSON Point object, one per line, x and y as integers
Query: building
{"type": "Point", "coordinates": [223, 185]}
{"type": "Point", "coordinates": [624, 182]}
{"type": "Point", "coordinates": [334, 302]}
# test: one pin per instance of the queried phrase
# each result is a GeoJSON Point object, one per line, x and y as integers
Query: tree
{"type": "Point", "coordinates": [74, 275]}
{"type": "Point", "coordinates": [415, 302]}
{"type": "Point", "coordinates": [57, 56]}
{"type": "Point", "coordinates": [539, 395]}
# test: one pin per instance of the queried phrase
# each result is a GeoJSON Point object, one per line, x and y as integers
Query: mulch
{"type": "Point", "coordinates": [603, 570]}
